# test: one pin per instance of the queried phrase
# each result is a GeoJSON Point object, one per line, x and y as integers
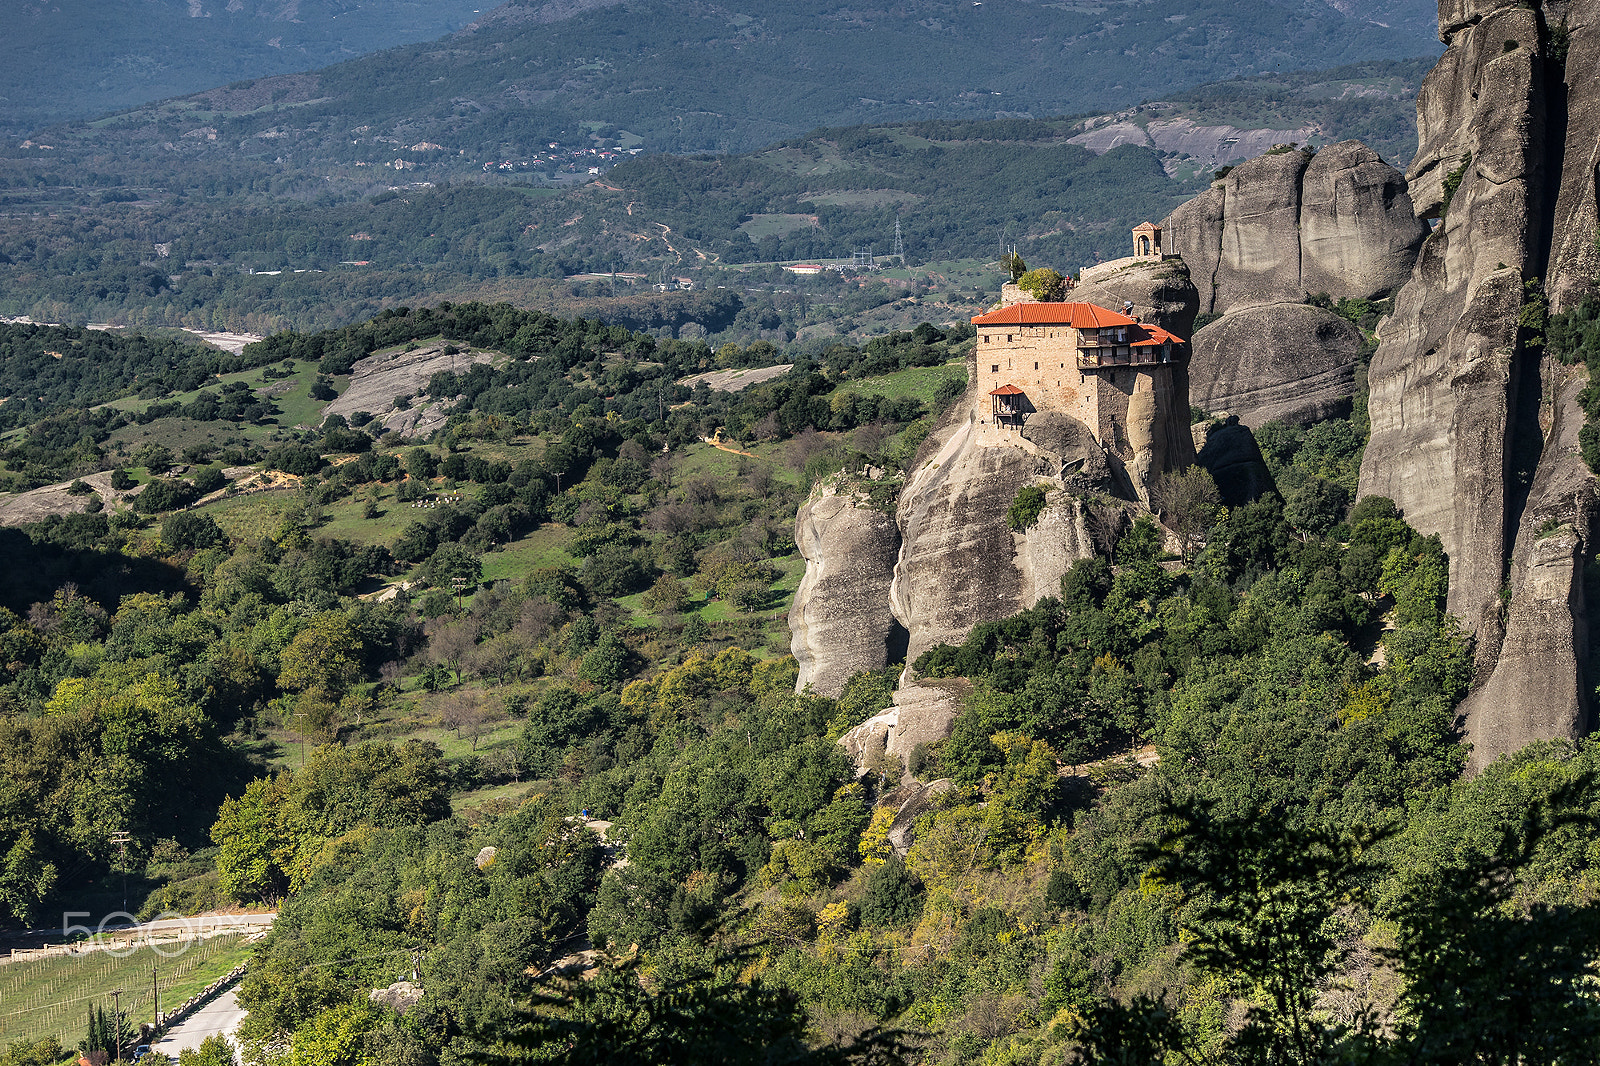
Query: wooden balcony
{"type": "Point", "coordinates": [1094, 358]}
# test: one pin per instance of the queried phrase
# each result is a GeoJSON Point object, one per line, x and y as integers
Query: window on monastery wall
{"type": "Point", "coordinates": [995, 369]}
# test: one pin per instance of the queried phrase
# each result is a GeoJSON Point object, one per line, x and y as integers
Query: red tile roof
{"type": "Point", "coordinates": [1153, 335]}
{"type": "Point", "coordinates": [1006, 390]}
{"type": "Point", "coordinates": [1076, 315]}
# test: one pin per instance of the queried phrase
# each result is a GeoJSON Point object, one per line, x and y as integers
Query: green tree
{"type": "Point", "coordinates": [336, 1037]}
{"type": "Point", "coordinates": [1188, 501]}
{"type": "Point", "coordinates": [705, 1018]}
{"type": "Point", "coordinates": [451, 564]}
{"type": "Point", "coordinates": [1043, 284]}
{"type": "Point", "coordinates": [1025, 508]}
{"type": "Point", "coordinates": [1314, 505]}
{"type": "Point", "coordinates": [323, 658]}
{"type": "Point", "coordinates": [214, 1050]}
{"type": "Point", "coordinates": [1260, 895]}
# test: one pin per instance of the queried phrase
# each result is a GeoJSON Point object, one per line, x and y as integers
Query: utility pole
{"type": "Point", "coordinates": [116, 1025]}
{"type": "Point", "coordinates": [120, 839]}
{"type": "Point", "coordinates": [155, 997]}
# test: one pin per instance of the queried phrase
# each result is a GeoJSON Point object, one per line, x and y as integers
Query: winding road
{"type": "Point", "coordinates": [222, 1016]}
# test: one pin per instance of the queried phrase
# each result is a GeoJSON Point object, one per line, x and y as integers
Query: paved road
{"type": "Point", "coordinates": [204, 923]}
{"type": "Point", "coordinates": [222, 1015]}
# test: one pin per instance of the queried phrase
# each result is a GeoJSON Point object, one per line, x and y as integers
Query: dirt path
{"type": "Point", "coordinates": [723, 447]}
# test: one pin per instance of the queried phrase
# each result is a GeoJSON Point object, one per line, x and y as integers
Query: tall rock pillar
{"type": "Point", "coordinates": [1471, 436]}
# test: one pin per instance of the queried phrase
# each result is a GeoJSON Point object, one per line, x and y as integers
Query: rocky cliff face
{"type": "Point", "coordinates": [1230, 454]}
{"type": "Point", "coordinates": [1284, 362]}
{"type": "Point", "coordinates": [948, 561]}
{"type": "Point", "coordinates": [840, 623]}
{"type": "Point", "coordinates": [959, 563]}
{"type": "Point", "coordinates": [1289, 224]}
{"type": "Point", "coordinates": [1470, 435]}
{"type": "Point", "coordinates": [1162, 292]}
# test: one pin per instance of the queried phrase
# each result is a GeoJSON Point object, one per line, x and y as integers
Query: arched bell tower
{"type": "Point", "coordinates": [1147, 241]}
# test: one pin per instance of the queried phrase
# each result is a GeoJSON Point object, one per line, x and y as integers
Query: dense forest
{"type": "Point", "coordinates": [74, 60]}
{"type": "Point", "coordinates": [1204, 808]}
{"type": "Point", "coordinates": [690, 79]}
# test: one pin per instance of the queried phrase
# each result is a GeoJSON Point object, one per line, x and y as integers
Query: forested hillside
{"type": "Point", "coordinates": [288, 250]}
{"type": "Point", "coordinates": [694, 78]}
{"type": "Point", "coordinates": [72, 59]}
{"type": "Point", "coordinates": [474, 705]}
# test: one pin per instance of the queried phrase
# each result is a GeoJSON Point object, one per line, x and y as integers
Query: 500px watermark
{"type": "Point", "coordinates": [169, 934]}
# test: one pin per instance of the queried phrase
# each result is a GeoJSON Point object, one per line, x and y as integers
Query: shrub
{"type": "Point", "coordinates": [893, 895]}
{"type": "Point", "coordinates": [297, 459]}
{"type": "Point", "coordinates": [1025, 508]}
{"type": "Point", "coordinates": [209, 479]}
{"type": "Point", "coordinates": [186, 529]}
{"type": "Point", "coordinates": [163, 495]}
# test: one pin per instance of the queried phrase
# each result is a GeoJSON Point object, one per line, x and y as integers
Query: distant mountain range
{"type": "Point", "coordinates": [181, 248]}
{"type": "Point", "coordinates": [66, 59]}
{"type": "Point", "coordinates": [695, 76]}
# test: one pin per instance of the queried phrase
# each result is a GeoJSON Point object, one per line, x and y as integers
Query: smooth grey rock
{"type": "Point", "coordinates": [1260, 262]}
{"type": "Point", "coordinates": [1443, 387]}
{"type": "Point", "coordinates": [918, 801]}
{"type": "Point", "coordinates": [925, 711]}
{"type": "Point", "coordinates": [1288, 224]}
{"type": "Point", "coordinates": [1532, 681]}
{"type": "Point", "coordinates": [1083, 463]}
{"type": "Point", "coordinates": [399, 997]}
{"type": "Point", "coordinates": [922, 713]}
{"type": "Point", "coordinates": [959, 563]}
{"type": "Point", "coordinates": [866, 742]}
{"type": "Point", "coordinates": [1194, 231]}
{"type": "Point", "coordinates": [1359, 234]}
{"type": "Point", "coordinates": [1281, 362]}
{"type": "Point", "coordinates": [1162, 292]}
{"type": "Point", "coordinates": [1458, 411]}
{"type": "Point", "coordinates": [840, 623]}
{"type": "Point", "coordinates": [1575, 255]}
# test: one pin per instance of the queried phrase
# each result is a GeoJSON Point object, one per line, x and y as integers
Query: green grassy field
{"type": "Point", "coordinates": [919, 382]}
{"type": "Point", "coordinates": [291, 394]}
{"type": "Point", "coordinates": [51, 997]}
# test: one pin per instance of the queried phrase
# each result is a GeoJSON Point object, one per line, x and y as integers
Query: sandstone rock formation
{"type": "Point", "coordinates": [1536, 672]}
{"type": "Point", "coordinates": [911, 801]}
{"type": "Point", "coordinates": [1288, 224]}
{"type": "Point", "coordinates": [922, 713]}
{"type": "Point", "coordinates": [959, 563]}
{"type": "Point", "coordinates": [1462, 411]}
{"type": "Point", "coordinates": [377, 381]}
{"type": "Point", "coordinates": [1229, 453]}
{"type": "Point", "coordinates": [1161, 290]}
{"type": "Point", "coordinates": [1285, 362]}
{"type": "Point", "coordinates": [840, 623]}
